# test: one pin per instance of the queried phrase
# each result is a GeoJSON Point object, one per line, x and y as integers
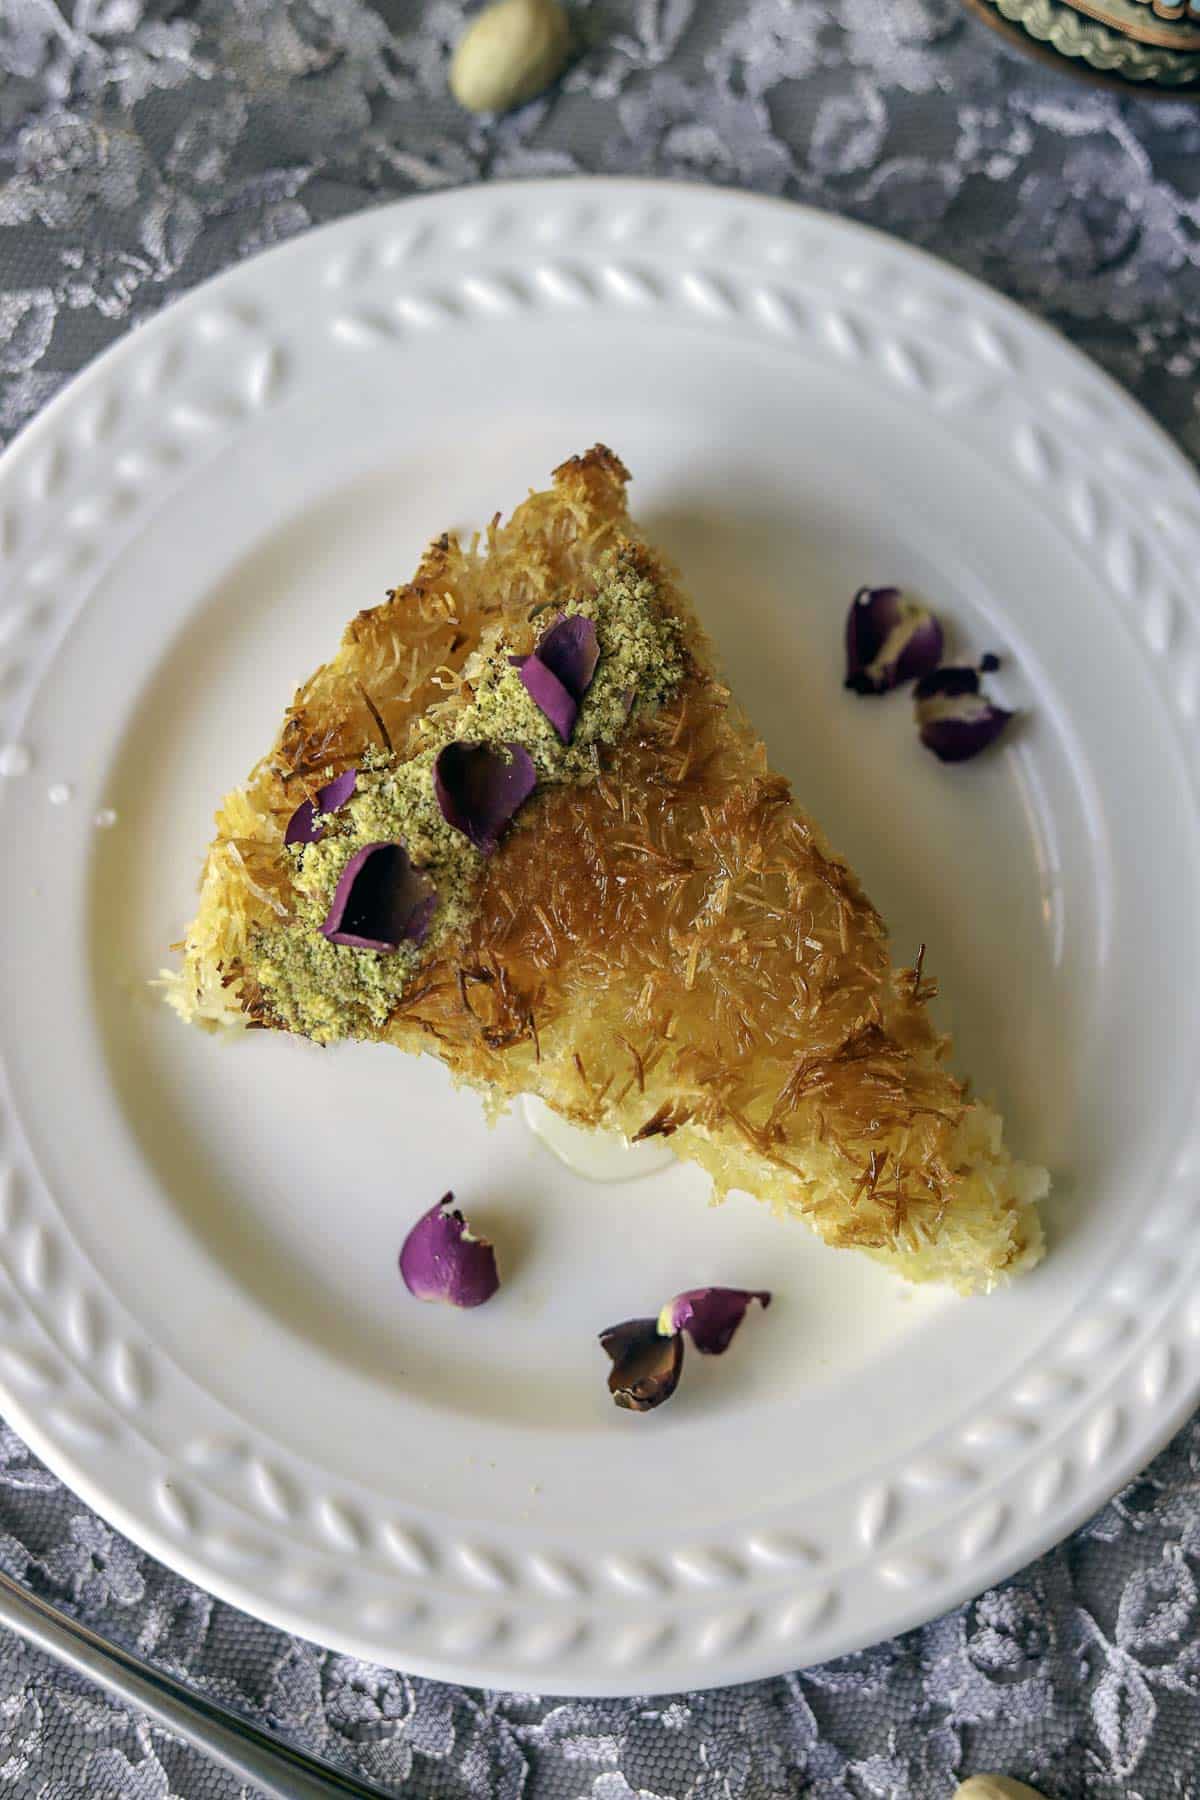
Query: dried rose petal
{"type": "Point", "coordinates": [571, 650]}
{"type": "Point", "coordinates": [441, 1260]}
{"type": "Point", "coordinates": [889, 640]}
{"type": "Point", "coordinates": [709, 1315]}
{"type": "Point", "coordinates": [955, 720]}
{"type": "Point", "coordinates": [646, 1365]}
{"type": "Point", "coordinates": [549, 696]}
{"type": "Point", "coordinates": [560, 671]}
{"type": "Point", "coordinates": [480, 788]}
{"type": "Point", "coordinates": [330, 798]}
{"type": "Point", "coordinates": [300, 827]}
{"type": "Point", "coordinates": [381, 901]}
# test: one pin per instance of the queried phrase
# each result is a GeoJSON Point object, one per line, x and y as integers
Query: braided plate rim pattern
{"type": "Point", "coordinates": [1102, 49]}
{"type": "Point", "coordinates": [331, 1559]}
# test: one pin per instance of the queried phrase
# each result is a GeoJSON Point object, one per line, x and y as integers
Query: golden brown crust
{"type": "Point", "coordinates": [677, 944]}
{"type": "Point", "coordinates": [672, 950]}
{"type": "Point", "coordinates": [597, 470]}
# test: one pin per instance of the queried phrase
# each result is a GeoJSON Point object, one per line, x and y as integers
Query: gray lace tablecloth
{"type": "Point", "coordinates": [145, 144]}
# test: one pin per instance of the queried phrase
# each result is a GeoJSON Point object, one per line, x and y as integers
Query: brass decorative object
{"type": "Point", "coordinates": [1146, 22]}
{"type": "Point", "coordinates": [1064, 33]}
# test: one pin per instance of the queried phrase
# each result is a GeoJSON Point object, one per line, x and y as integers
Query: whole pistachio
{"type": "Point", "coordinates": [508, 53]}
{"type": "Point", "coordinates": [995, 1787]}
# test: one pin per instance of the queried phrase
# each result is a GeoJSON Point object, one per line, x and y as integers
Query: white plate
{"type": "Point", "coordinates": [201, 1324]}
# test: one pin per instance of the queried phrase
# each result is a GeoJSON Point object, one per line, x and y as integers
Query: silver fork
{"type": "Point", "coordinates": [269, 1763]}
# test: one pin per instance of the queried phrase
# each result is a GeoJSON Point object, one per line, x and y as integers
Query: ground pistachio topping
{"type": "Point", "coordinates": [328, 991]}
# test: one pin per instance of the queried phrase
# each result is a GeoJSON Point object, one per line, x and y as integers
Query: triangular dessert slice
{"type": "Point", "coordinates": [519, 823]}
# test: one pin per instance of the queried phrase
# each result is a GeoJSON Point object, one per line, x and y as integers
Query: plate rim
{"type": "Point", "coordinates": [1119, 1462]}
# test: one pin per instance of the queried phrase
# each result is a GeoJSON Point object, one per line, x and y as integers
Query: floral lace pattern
{"type": "Point", "coordinates": [146, 144]}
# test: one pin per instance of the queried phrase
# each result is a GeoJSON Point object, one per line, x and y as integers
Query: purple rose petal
{"type": "Point", "coordinates": [335, 793]}
{"type": "Point", "coordinates": [560, 671]}
{"type": "Point", "coordinates": [645, 1366]}
{"type": "Point", "coordinates": [955, 720]}
{"type": "Point", "coordinates": [550, 696]}
{"type": "Point", "coordinates": [479, 788]}
{"type": "Point", "coordinates": [889, 640]}
{"type": "Point", "coordinates": [300, 827]}
{"type": "Point", "coordinates": [440, 1260]}
{"type": "Point", "coordinates": [330, 798]}
{"type": "Point", "coordinates": [710, 1315]}
{"type": "Point", "coordinates": [381, 901]}
{"type": "Point", "coordinates": [571, 650]}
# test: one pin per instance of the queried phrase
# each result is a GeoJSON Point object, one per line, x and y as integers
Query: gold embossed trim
{"type": "Point", "coordinates": [1051, 28]}
{"type": "Point", "coordinates": [1148, 25]}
